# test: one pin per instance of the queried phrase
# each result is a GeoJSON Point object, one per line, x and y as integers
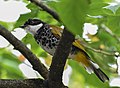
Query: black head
{"type": "Point", "coordinates": [32, 22]}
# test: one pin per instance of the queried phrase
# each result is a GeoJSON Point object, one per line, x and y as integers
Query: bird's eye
{"type": "Point", "coordinates": [31, 22]}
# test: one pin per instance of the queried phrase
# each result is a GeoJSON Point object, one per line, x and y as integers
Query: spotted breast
{"type": "Point", "coordinates": [46, 39]}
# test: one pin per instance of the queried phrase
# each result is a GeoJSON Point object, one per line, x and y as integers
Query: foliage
{"type": "Point", "coordinates": [9, 65]}
{"type": "Point", "coordinates": [73, 15]}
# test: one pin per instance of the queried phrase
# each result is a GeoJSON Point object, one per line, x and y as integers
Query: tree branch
{"type": "Point", "coordinates": [46, 8]}
{"type": "Point", "coordinates": [26, 83]}
{"type": "Point", "coordinates": [37, 65]}
{"type": "Point", "coordinates": [59, 59]}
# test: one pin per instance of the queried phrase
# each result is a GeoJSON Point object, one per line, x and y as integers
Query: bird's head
{"type": "Point", "coordinates": [32, 25]}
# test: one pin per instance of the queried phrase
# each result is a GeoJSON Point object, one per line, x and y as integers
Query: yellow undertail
{"type": "Point", "coordinates": [90, 66]}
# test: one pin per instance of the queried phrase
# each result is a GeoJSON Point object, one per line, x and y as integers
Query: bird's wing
{"type": "Point", "coordinates": [57, 31]}
{"type": "Point", "coordinates": [77, 43]}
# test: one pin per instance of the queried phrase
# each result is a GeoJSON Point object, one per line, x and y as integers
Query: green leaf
{"type": "Point", "coordinates": [11, 71]}
{"type": "Point", "coordinates": [108, 12]}
{"type": "Point", "coordinates": [101, 1]}
{"type": "Point", "coordinates": [32, 6]}
{"type": "Point", "coordinates": [113, 23]}
{"type": "Point", "coordinates": [96, 8]}
{"type": "Point", "coordinates": [118, 12]}
{"type": "Point", "coordinates": [7, 25]}
{"type": "Point", "coordinates": [108, 1]}
{"type": "Point", "coordinates": [24, 17]}
{"type": "Point", "coordinates": [44, 16]}
{"type": "Point", "coordinates": [113, 8]}
{"type": "Point", "coordinates": [29, 39]}
{"type": "Point", "coordinates": [9, 65]}
{"type": "Point", "coordinates": [72, 14]}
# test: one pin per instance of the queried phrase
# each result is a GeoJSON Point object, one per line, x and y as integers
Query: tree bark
{"type": "Point", "coordinates": [26, 83]}
{"type": "Point", "coordinates": [59, 60]}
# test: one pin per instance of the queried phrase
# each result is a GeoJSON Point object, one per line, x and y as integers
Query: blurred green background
{"type": "Point", "coordinates": [104, 15]}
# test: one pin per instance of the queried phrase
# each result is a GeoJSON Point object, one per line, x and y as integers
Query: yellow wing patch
{"type": "Point", "coordinates": [56, 30]}
{"type": "Point", "coordinates": [80, 57]}
{"type": "Point", "coordinates": [78, 44]}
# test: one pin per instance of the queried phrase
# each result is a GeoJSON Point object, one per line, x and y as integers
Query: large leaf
{"type": "Point", "coordinates": [72, 14]}
{"type": "Point", "coordinates": [96, 8]}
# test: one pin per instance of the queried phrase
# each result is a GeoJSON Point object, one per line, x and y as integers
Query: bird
{"type": "Point", "coordinates": [48, 37]}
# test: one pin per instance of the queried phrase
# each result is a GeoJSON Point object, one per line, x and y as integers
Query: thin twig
{"type": "Point", "coordinates": [110, 32]}
{"type": "Point", "coordinates": [99, 51]}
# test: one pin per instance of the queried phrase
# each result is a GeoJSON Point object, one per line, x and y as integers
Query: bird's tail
{"type": "Point", "coordinates": [90, 66]}
{"type": "Point", "coordinates": [82, 57]}
{"type": "Point", "coordinates": [99, 73]}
